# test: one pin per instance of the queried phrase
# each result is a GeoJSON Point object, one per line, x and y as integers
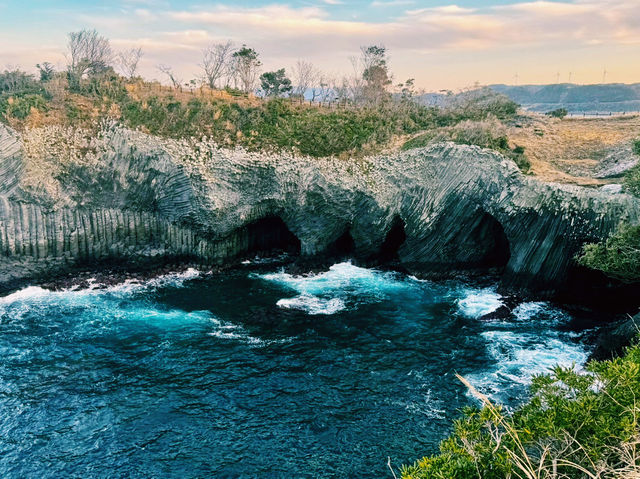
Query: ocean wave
{"type": "Point", "coordinates": [518, 356]}
{"type": "Point", "coordinates": [342, 285]}
{"type": "Point", "coordinates": [313, 304]}
{"type": "Point", "coordinates": [341, 277]}
{"type": "Point", "coordinates": [477, 302]}
{"type": "Point", "coordinates": [36, 294]}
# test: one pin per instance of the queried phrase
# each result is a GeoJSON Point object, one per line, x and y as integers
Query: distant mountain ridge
{"type": "Point", "coordinates": [602, 98]}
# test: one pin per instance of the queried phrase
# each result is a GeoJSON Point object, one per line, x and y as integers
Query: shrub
{"type": "Point", "coordinates": [575, 425]}
{"type": "Point", "coordinates": [636, 146]}
{"type": "Point", "coordinates": [488, 133]}
{"type": "Point", "coordinates": [632, 180]}
{"type": "Point", "coordinates": [19, 107]}
{"type": "Point", "coordinates": [558, 113]}
{"type": "Point", "coordinates": [479, 104]}
{"type": "Point", "coordinates": [617, 257]}
{"type": "Point", "coordinates": [19, 92]}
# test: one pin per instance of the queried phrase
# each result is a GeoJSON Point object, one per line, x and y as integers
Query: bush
{"type": "Point", "coordinates": [632, 180]}
{"type": "Point", "coordinates": [488, 133]}
{"type": "Point", "coordinates": [636, 146]}
{"type": "Point", "coordinates": [20, 107]}
{"type": "Point", "coordinates": [19, 92]}
{"type": "Point", "coordinates": [479, 104]}
{"type": "Point", "coordinates": [618, 257]}
{"type": "Point", "coordinates": [558, 113]}
{"type": "Point", "coordinates": [575, 425]}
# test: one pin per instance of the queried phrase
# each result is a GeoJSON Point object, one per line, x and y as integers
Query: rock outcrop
{"type": "Point", "coordinates": [68, 199]}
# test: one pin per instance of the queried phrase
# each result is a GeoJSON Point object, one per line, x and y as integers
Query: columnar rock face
{"type": "Point", "coordinates": [67, 200]}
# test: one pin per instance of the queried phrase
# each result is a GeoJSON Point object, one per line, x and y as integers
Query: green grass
{"type": "Point", "coordinates": [576, 425]}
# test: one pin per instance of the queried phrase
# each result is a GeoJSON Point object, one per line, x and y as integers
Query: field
{"type": "Point", "coordinates": [575, 150]}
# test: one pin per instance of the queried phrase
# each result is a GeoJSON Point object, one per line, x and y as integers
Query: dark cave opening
{"type": "Point", "coordinates": [395, 237]}
{"type": "Point", "coordinates": [491, 246]}
{"type": "Point", "coordinates": [343, 246]}
{"type": "Point", "coordinates": [270, 236]}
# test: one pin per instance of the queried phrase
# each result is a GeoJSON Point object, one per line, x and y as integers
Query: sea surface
{"type": "Point", "coordinates": [257, 373]}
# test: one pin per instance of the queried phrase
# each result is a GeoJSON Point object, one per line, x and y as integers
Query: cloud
{"type": "Point", "coordinates": [391, 3]}
{"type": "Point", "coordinates": [417, 38]}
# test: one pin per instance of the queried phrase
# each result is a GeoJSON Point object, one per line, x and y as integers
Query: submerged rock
{"type": "Point", "coordinates": [122, 195]}
{"type": "Point", "coordinates": [615, 337]}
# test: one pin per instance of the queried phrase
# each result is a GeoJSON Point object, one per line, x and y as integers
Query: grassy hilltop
{"type": "Point", "coordinates": [233, 118]}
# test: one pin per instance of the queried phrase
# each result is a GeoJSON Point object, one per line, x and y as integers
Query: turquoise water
{"type": "Point", "coordinates": [256, 373]}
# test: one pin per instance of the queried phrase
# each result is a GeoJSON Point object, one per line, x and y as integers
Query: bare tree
{"type": "Point", "coordinates": [128, 62]}
{"type": "Point", "coordinates": [88, 53]}
{"type": "Point", "coordinates": [176, 81]}
{"type": "Point", "coordinates": [216, 62]}
{"type": "Point", "coordinates": [322, 89]}
{"type": "Point", "coordinates": [305, 76]}
{"type": "Point", "coordinates": [353, 85]}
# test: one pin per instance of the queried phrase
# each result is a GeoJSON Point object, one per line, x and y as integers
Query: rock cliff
{"type": "Point", "coordinates": [70, 198]}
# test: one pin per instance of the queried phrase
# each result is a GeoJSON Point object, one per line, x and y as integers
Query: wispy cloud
{"type": "Point", "coordinates": [392, 3]}
{"type": "Point", "coordinates": [433, 40]}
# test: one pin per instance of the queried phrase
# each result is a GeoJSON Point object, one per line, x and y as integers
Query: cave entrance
{"type": "Point", "coordinates": [269, 236]}
{"type": "Point", "coordinates": [343, 246]}
{"type": "Point", "coordinates": [395, 237]}
{"type": "Point", "coordinates": [485, 242]}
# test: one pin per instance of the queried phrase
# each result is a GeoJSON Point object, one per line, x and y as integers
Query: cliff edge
{"type": "Point", "coordinates": [72, 197]}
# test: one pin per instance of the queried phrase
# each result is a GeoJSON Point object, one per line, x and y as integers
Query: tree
{"type": "Point", "coordinates": [128, 62]}
{"type": "Point", "coordinates": [305, 77]}
{"type": "Point", "coordinates": [176, 81]}
{"type": "Point", "coordinates": [46, 71]}
{"type": "Point", "coordinates": [375, 72]}
{"type": "Point", "coordinates": [216, 62]}
{"type": "Point", "coordinates": [246, 66]}
{"type": "Point", "coordinates": [407, 89]}
{"type": "Point", "coordinates": [89, 53]}
{"type": "Point", "coordinates": [275, 83]}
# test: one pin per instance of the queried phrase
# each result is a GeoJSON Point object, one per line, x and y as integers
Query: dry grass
{"type": "Point", "coordinates": [143, 90]}
{"type": "Point", "coordinates": [543, 460]}
{"type": "Point", "coordinates": [570, 150]}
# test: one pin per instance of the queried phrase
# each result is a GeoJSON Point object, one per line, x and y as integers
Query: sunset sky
{"type": "Point", "coordinates": [441, 45]}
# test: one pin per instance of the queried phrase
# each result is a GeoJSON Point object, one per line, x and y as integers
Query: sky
{"type": "Point", "coordinates": [442, 45]}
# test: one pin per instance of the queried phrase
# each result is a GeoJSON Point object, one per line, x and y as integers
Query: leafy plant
{"type": "Point", "coordinates": [617, 257]}
{"type": "Point", "coordinates": [576, 425]}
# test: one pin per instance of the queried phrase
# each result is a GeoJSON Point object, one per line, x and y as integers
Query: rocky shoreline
{"type": "Point", "coordinates": [69, 202]}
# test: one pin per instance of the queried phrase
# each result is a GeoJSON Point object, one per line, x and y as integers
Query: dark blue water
{"type": "Point", "coordinates": [255, 374]}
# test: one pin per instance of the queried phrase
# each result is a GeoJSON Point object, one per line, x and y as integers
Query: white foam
{"type": "Point", "coordinates": [35, 294]}
{"type": "Point", "coordinates": [478, 302]}
{"type": "Point", "coordinates": [312, 304]}
{"type": "Point", "coordinates": [340, 277]}
{"type": "Point", "coordinates": [331, 291]}
{"type": "Point", "coordinates": [518, 356]}
{"type": "Point", "coordinates": [27, 294]}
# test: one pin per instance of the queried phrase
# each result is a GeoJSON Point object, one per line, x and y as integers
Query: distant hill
{"type": "Point", "coordinates": [612, 97]}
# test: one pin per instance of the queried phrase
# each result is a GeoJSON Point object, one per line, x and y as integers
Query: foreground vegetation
{"type": "Point", "coordinates": [576, 425]}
